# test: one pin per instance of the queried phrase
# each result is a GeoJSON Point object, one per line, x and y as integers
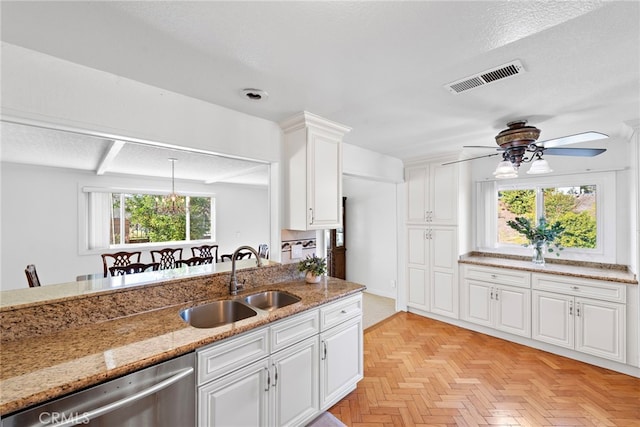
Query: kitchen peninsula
{"type": "Point", "coordinates": [53, 347]}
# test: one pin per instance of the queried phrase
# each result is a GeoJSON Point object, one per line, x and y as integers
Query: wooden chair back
{"type": "Point", "coordinates": [205, 251]}
{"type": "Point", "coordinates": [119, 259]}
{"type": "Point", "coordinates": [263, 251]}
{"type": "Point", "coordinates": [32, 276]}
{"type": "Point", "coordinates": [241, 255]}
{"type": "Point", "coordinates": [134, 267]}
{"type": "Point", "coordinates": [196, 260]}
{"type": "Point", "coordinates": [167, 257]}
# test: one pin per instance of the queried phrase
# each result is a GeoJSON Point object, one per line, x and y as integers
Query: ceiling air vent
{"type": "Point", "coordinates": [489, 76]}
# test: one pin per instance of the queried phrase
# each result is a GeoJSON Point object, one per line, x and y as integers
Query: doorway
{"type": "Point", "coordinates": [336, 248]}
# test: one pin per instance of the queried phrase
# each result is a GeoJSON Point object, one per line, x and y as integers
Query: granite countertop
{"type": "Point", "coordinates": [39, 368]}
{"type": "Point", "coordinates": [597, 271]}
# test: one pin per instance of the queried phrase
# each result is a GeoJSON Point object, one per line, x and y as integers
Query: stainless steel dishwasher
{"type": "Point", "coordinates": [162, 395]}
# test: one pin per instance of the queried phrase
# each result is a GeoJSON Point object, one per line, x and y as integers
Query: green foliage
{"type": "Point", "coordinates": [557, 203]}
{"type": "Point", "coordinates": [580, 230]}
{"type": "Point", "coordinates": [313, 264]}
{"type": "Point", "coordinates": [542, 232]}
{"type": "Point", "coordinates": [200, 218]}
{"type": "Point", "coordinates": [142, 209]}
{"type": "Point", "coordinates": [519, 202]}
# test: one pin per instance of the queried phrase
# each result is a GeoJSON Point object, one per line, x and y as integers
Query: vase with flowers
{"type": "Point", "coordinates": [541, 236]}
{"type": "Point", "coordinates": [313, 267]}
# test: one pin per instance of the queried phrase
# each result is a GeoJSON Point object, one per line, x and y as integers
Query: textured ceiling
{"type": "Point", "coordinates": [378, 67]}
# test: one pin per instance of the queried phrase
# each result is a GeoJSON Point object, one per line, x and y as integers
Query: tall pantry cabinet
{"type": "Point", "coordinates": [432, 238]}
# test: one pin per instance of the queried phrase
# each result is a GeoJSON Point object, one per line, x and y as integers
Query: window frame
{"type": "Point", "coordinates": [86, 220]}
{"type": "Point", "coordinates": [487, 215]}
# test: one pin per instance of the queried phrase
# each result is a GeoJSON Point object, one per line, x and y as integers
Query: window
{"type": "Point", "coordinates": [575, 207]}
{"type": "Point", "coordinates": [584, 204]}
{"type": "Point", "coordinates": [122, 218]}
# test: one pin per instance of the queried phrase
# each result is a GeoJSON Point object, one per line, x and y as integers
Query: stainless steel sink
{"type": "Point", "coordinates": [271, 300]}
{"type": "Point", "coordinates": [218, 313]}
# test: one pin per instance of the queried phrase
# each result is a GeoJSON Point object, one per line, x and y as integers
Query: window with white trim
{"type": "Point", "coordinates": [584, 204]}
{"type": "Point", "coordinates": [121, 218]}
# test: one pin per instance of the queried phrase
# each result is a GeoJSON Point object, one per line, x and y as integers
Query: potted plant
{"type": "Point", "coordinates": [540, 235]}
{"type": "Point", "coordinates": [313, 267]}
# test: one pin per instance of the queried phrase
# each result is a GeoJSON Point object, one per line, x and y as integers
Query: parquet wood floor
{"type": "Point", "coordinates": [421, 372]}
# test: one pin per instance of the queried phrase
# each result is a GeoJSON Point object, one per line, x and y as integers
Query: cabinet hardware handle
{"type": "Point", "coordinates": [268, 379]}
{"type": "Point", "coordinates": [575, 288]}
{"type": "Point", "coordinates": [497, 290]}
{"type": "Point", "coordinates": [491, 293]}
{"type": "Point", "coordinates": [275, 379]}
{"type": "Point", "coordinates": [570, 308]}
{"type": "Point", "coordinates": [493, 276]}
{"type": "Point", "coordinates": [578, 309]}
{"type": "Point", "coordinates": [71, 421]}
{"type": "Point", "coordinates": [310, 215]}
{"type": "Point", "coordinates": [324, 350]}
{"type": "Point", "coordinates": [343, 311]}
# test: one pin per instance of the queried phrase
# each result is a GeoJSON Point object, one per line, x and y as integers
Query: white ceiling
{"type": "Point", "coordinates": [378, 67]}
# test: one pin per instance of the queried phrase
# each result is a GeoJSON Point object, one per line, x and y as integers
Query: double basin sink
{"type": "Point", "coordinates": [224, 312]}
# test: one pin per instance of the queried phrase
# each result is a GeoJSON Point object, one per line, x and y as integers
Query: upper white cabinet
{"type": "Point", "coordinates": [432, 194]}
{"type": "Point", "coordinates": [313, 172]}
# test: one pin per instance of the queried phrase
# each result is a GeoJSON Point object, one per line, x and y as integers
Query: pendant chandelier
{"type": "Point", "coordinates": [172, 203]}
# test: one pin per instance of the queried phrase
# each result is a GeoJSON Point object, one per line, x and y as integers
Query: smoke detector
{"type": "Point", "coordinates": [501, 72]}
{"type": "Point", "coordinates": [255, 94]}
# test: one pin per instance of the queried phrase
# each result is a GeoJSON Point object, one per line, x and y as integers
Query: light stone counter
{"type": "Point", "coordinates": [37, 366]}
{"type": "Point", "coordinates": [610, 272]}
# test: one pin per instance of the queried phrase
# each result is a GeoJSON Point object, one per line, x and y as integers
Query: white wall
{"type": "Point", "coordinates": [371, 234]}
{"type": "Point", "coordinates": [39, 214]}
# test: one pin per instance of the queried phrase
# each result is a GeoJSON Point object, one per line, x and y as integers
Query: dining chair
{"type": "Point", "coordinates": [263, 251]}
{"type": "Point", "coordinates": [135, 267]}
{"type": "Point", "coordinates": [32, 276]}
{"type": "Point", "coordinates": [120, 259]}
{"type": "Point", "coordinates": [205, 251]}
{"type": "Point", "coordinates": [241, 255]}
{"type": "Point", "coordinates": [196, 260]}
{"type": "Point", "coordinates": [167, 257]}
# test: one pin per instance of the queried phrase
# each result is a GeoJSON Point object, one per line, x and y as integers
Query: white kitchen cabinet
{"type": "Point", "coordinates": [285, 373]}
{"type": "Point", "coordinates": [295, 384]}
{"type": "Point", "coordinates": [238, 399]}
{"type": "Point", "coordinates": [498, 299]}
{"type": "Point", "coordinates": [341, 364]}
{"type": "Point", "coordinates": [563, 316]}
{"type": "Point", "coordinates": [313, 172]}
{"type": "Point", "coordinates": [432, 269]}
{"type": "Point", "coordinates": [432, 194]}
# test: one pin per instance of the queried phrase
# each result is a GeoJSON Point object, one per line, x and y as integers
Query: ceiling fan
{"type": "Point", "coordinates": [518, 145]}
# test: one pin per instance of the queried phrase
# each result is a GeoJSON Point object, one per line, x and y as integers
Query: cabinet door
{"type": "Point", "coordinates": [417, 270]}
{"type": "Point", "coordinates": [600, 328]}
{"type": "Point", "coordinates": [238, 399]}
{"type": "Point", "coordinates": [513, 310]}
{"type": "Point", "coordinates": [417, 179]}
{"type": "Point", "coordinates": [295, 383]}
{"type": "Point", "coordinates": [443, 278]}
{"type": "Point", "coordinates": [477, 302]}
{"type": "Point", "coordinates": [443, 191]}
{"type": "Point", "coordinates": [324, 181]}
{"type": "Point", "coordinates": [341, 365]}
{"type": "Point", "coordinates": [553, 318]}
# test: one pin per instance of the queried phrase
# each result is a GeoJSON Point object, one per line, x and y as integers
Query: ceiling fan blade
{"type": "Point", "coordinates": [572, 139]}
{"type": "Point", "coordinates": [579, 152]}
{"type": "Point", "coordinates": [481, 146]}
{"type": "Point", "coordinates": [472, 158]}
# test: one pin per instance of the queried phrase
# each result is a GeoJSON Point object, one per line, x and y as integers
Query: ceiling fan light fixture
{"type": "Point", "coordinates": [539, 166]}
{"type": "Point", "coordinates": [505, 170]}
